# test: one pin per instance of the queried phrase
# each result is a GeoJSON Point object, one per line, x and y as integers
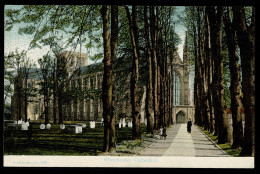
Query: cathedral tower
{"type": "Point", "coordinates": [186, 72]}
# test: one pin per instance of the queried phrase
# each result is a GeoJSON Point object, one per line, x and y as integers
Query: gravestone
{"type": "Point", "coordinates": [92, 124]}
{"type": "Point", "coordinates": [78, 129]}
{"type": "Point", "coordinates": [42, 126]}
{"type": "Point", "coordinates": [75, 129]}
{"type": "Point", "coordinates": [145, 121]}
{"type": "Point", "coordinates": [48, 126]}
{"type": "Point", "coordinates": [24, 126]}
{"type": "Point", "coordinates": [124, 123]}
{"type": "Point", "coordinates": [27, 123]}
{"type": "Point", "coordinates": [62, 126]}
{"type": "Point", "coordinates": [102, 122]}
{"type": "Point", "coordinates": [129, 124]}
{"type": "Point", "coordinates": [19, 121]}
{"type": "Point", "coordinates": [119, 125]}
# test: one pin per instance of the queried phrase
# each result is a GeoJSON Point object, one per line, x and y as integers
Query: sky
{"type": "Point", "coordinates": [13, 40]}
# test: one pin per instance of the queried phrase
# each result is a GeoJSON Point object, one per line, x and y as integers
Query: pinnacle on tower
{"type": "Point", "coordinates": [186, 50]}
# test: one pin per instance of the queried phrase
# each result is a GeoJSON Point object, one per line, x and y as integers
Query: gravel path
{"type": "Point", "coordinates": [181, 143]}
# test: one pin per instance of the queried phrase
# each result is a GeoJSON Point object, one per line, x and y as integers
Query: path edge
{"type": "Point", "coordinates": [212, 141]}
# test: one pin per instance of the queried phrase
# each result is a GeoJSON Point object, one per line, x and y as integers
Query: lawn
{"type": "Point", "coordinates": [60, 142]}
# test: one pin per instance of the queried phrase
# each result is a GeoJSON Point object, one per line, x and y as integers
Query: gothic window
{"type": "Point", "coordinates": [85, 83]}
{"type": "Point", "coordinates": [79, 83]}
{"type": "Point", "coordinates": [35, 109]}
{"type": "Point", "coordinates": [92, 83]}
{"type": "Point", "coordinates": [176, 89]}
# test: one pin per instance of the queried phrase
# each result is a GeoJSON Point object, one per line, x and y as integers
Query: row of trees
{"type": "Point", "coordinates": [223, 37]}
{"type": "Point", "coordinates": [122, 28]}
{"type": "Point", "coordinates": [156, 50]}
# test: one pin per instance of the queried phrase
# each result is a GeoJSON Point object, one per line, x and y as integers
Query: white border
{"type": "Point", "coordinates": [128, 161]}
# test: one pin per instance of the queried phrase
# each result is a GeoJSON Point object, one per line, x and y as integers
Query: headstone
{"type": "Point", "coordinates": [119, 125]}
{"type": "Point", "coordinates": [75, 128]}
{"type": "Point", "coordinates": [83, 125]}
{"type": "Point", "coordinates": [78, 129]}
{"type": "Point", "coordinates": [48, 126]}
{"type": "Point", "coordinates": [145, 121]}
{"type": "Point", "coordinates": [42, 126]}
{"type": "Point", "coordinates": [92, 124]}
{"type": "Point", "coordinates": [129, 124]}
{"type": "Point", "coordinates": [24, 127]}
{"type": "Point", "coordinates": [27, 123]}
{"type": "Point", "coordinates": [123, 122]}
{"type": "Point", "coordinates": [62, 126]}
{"type": "Point", "coordinates": [102, 122]}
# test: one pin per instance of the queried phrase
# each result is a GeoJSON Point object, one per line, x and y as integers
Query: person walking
{"type": "Point", "coordinates": [161, 132]}
{"type": "Point", "coordinates": [189, 124]}
{"type": "Point", "coordinates": [164, 133]}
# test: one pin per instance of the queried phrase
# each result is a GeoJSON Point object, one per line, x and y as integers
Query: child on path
{"type": "Point", "coordinates": [164, 133]}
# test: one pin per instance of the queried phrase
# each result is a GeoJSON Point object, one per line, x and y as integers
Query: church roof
{"type": "Point", "coordinates": [93, 68]}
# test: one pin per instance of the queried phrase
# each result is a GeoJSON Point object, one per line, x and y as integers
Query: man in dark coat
{"type": "Point", "coordinates": [189, 124]}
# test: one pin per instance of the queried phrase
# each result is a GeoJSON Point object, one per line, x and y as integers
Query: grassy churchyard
{"type": "Point", "coordinates": [56, 141]}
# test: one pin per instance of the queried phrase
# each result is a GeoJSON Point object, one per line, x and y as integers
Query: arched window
{"type": "Point", "coordinates": [176, 89]}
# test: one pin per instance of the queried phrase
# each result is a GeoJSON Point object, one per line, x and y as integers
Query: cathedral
{"type": "Point", "coordinates": [88, 106]}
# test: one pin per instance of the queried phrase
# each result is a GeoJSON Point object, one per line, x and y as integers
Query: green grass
{"type": "Point", "coordinates": [61, 142]}
{"type": "Point", "coordinates": [226, 147]}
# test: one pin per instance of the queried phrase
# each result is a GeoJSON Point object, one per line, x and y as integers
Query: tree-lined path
{"type": "Point", "coordinates": [140, 77]}
{"type": "Point", "coordinates": [181, 143]}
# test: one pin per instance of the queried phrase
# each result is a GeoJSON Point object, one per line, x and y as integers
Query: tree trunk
{"type": "Point", "coordinates": [235, 82]}
{"type": "Point", "coordinates": [197, 102]}
{"type": "Point", "coordinates": [54, 99]}
{"type": "Point", "coordinates": [209, 71]}
{"type": "Point", "coordinates": [25, 97]}
{"type": "Point", "coordinates": [246, 42]}
{"type": "Point", "coordinates": [46, 103]}
{"type": "Point", "coordinates": [171, 94]}
{"type": "Point", "coordinates": [60, 105]}
{"type": "Point", "coordinates": [114, 41]}
{"type": "Point", "coordinates": [19, 96]}
{"type": "Point", "coordinates": [215, 21]}
{"type": "Point", "coordinates": [149, 94]}
{"type": "Point", "coordinates": [107, 85]}
{"type": "Point", "coordinates": [203, 101]}
{"type": "Point", "coordinates": [154, 33]}
{"type": "Point", "coordinates": [136, 134]}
